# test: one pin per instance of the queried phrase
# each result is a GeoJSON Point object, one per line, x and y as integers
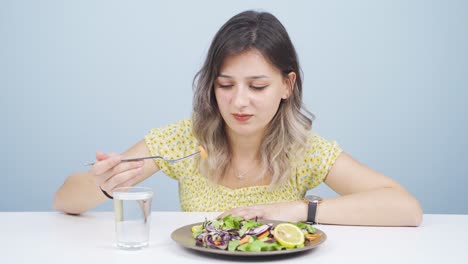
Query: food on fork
{"type": "Point", "coordinates": [203, 153]}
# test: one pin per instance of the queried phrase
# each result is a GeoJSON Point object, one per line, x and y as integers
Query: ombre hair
{"type": "Point", "coordinates": [287, 132]}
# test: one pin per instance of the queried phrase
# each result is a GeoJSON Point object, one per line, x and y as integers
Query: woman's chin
{"type": "Point", "coordinates": [246, 131]}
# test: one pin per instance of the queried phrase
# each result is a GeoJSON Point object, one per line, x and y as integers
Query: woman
{"type": "Point", "coordinates": [262, 154]}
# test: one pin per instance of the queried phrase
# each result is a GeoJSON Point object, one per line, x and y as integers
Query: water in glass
{"type": "Point", "coordinates": [132, 218]}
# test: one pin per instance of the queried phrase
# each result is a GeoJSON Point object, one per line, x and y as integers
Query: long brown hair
{"type": "Point", "coordinates": [287, 131]}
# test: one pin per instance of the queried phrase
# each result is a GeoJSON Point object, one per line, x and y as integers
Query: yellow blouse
{"type": "Point", "coordinates": [198, 195]}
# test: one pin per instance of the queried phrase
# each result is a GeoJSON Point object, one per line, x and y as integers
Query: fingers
{"type": "Point", "coordinates": [294, 211]}
{"type": "Point", "coordinates": [249, 212]}
{"type": "Point", "coordinates": [124, 177]}
{"type": "Point", "coordinates": [128, 165]}
{"type": "Point", "coordinates": [130, 182]}
{"type": "Point", "coordinates": [101, 155]}
{"type": "Point", "coordinates": [105, 165]}
{"type": "Point", "coordinates": [109, 172]}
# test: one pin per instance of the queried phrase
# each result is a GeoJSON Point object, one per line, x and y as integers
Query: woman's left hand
{"type": "Point", "coordinates": [287, 211]}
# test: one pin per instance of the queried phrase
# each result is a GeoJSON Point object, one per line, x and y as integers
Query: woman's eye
{"type": "Point", "coordinates": [225, 85]}
{"type": "Point", "coordinates": [258, 87]}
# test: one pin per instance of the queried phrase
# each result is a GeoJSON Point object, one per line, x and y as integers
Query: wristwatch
{"type": "Point", "coordinates": [312, 201]}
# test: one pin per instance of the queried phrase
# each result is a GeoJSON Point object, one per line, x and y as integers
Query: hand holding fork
{"type": "Point", "coordinates": [111, 172]}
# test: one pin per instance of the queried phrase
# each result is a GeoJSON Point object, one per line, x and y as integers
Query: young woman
{"type": "Point", "coordinates": [262, 153]}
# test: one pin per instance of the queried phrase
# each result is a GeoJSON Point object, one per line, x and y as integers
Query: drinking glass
{"type": "Point", "coordinates": [132, 208]}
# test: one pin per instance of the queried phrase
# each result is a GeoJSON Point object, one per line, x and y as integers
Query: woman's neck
{"type": "Point", "coordinates": [245, 165]}
{"type": "Point", "coordinates": [245, 147]}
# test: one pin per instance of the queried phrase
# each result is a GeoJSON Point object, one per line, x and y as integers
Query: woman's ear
{"type": "Point", "coordinates": [290, 82]}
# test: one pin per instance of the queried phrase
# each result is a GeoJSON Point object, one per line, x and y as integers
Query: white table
{"type": "Point", "coordinates": [51, 237]}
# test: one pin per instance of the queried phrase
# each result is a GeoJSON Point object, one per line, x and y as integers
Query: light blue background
{"type": "Point", "coordinates": [386, 79]}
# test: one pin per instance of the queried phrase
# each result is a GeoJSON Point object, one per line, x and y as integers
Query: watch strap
{"type": "Point", "coordinates": [312, 211]}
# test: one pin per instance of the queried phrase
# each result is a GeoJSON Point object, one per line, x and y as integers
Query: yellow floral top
{"type": "Point", "coordinates": [197, 194]}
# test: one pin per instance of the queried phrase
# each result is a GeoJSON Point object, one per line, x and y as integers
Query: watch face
{"type": "Point", "coordinates": [313, 198]}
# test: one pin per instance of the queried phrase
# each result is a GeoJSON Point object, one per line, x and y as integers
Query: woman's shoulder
{"type": "Point", "coordinates": [318, 145]}
{"type": "Point", "coordinates": [315, 139]}
{"type": "Point", "coordinates": [183, 126]}
{"type": "Point", "coordinates": [179, 132]}
{"type": "Point", "coordinates": [318, 156]}
{"type": "Point", "coordinates": [172, 140]}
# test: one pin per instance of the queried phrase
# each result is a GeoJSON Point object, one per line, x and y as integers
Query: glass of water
{"type": "Point", "coordinates": [132, 208]}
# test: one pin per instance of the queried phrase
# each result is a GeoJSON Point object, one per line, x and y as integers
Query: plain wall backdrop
{"type": "Point", "coordinates": [386, 79]}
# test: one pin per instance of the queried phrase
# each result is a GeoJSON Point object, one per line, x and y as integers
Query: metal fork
{"type": "Point", "coordinates": [152, 157]}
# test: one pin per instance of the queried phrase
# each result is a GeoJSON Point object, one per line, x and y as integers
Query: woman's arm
{"type": "Point", "coordinates": [80, 192]}
{"type": "Point", "coordinates": [367, 198]}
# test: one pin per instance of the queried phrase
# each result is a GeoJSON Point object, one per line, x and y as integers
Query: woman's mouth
{"type": "Point", "coordinates": [242, 117]}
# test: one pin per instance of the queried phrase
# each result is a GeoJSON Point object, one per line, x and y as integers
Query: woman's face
{"type": "Point", "coordinates": [248, 91]}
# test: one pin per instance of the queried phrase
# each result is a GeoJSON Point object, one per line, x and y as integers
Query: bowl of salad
{"type": "Point", "coordinates": [237, 236]}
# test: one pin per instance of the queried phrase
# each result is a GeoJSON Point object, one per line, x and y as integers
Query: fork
{"type": "Point", "coordinates": [152, 157]}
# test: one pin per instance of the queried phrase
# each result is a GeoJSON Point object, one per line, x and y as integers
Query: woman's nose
{"type": "Point", "coordinates": [241, 97]}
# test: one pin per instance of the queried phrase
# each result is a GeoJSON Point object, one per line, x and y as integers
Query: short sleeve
{"type": "Point", "coordinates": [319, 156]}
{"type": "Point", "coordinates": [173, 141]}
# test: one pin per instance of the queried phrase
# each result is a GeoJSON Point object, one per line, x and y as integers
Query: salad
{"type": "Point", "coordinates": [238, 234]}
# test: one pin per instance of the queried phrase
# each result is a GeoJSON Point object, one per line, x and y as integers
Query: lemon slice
{"type": "Point", "coordinates": [203, 153]}
{"type": "Point", "coordinates": [288, 235]}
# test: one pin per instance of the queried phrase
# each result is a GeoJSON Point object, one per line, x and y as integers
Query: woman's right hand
{"type": "Point", "coordinates": [109, 172]}
{"type": "Point", "coordinates": [80, 191]}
